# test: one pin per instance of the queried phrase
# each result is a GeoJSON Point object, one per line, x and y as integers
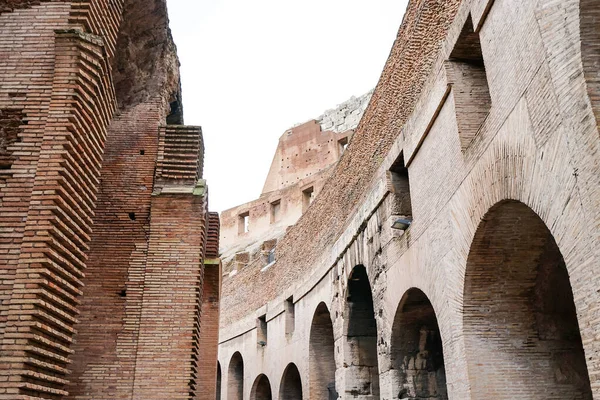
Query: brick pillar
{"type": "Point", "coordinates": [209, 332]}
{"type": "Point", "coordinates": [167, 354]}
{"type": "Point", "coordinates": [43, 307]}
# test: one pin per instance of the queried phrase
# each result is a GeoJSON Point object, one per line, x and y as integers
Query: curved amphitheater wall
{"type": "Point", "coordinates": [537, 145]}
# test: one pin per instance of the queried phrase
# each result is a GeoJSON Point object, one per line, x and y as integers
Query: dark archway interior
{"type": "Point", "coordinates": [362, 336]}
{"type": "Point", "coordinates": [417, 352]}
{"type": "Point", "coordinates": [322, 356]}
{"type": "Point", "coordinates": [520, 322]}
{"type": "Point", "coordinates": [235, 381]}
{"type": "Point", "coordinates": [291, 384]}
{"type": "Point", "coordinates": [218, 396]}
{"type": "Point", "coordinates": [261, 390]}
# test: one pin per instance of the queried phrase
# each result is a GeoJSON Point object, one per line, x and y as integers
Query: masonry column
{"type": "Point", "coordinates": [169, 338]}
{"type": "Point", "coordinates": [209, 332]}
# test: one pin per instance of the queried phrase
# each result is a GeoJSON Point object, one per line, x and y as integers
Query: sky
{"type": "Point", "coordinates": [251, 69]}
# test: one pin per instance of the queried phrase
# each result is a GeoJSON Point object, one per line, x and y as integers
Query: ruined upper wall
{"type": "Point", "coordinates": [309, 148]}
{"type": "Point", "coordinates": [146, 63]}
{"type": "Point", "coordinates": [415, 50]}
{"type": "Point", "coordinates": [345, 116]}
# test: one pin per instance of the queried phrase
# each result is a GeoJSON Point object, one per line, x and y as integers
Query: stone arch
{"type": "Point", "coordinates": [522, 336]}
{"type": "Point", "coordinates": [261, 389]}
{"type": "Point", "coordinates": [361, 334]}
{"type": "Point", "coordinates": [321, 359]}
{"type": "Point", "coordinates": [235, 378]}
{"type": "Point", "coordinates": [218, 396]}
{"type": "Point", "coordinates": [417, 355]}
{"type": "Point", "coordinates": [291, 384]}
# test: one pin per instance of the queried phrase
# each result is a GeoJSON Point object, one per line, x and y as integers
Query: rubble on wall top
{"type": "Point", "coordinates": [345, 116]}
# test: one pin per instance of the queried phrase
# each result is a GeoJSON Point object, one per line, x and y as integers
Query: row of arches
{"type": "Point", "coordinates": [520, 327]}
{"type": "Point", "coordinates": [290, 388]}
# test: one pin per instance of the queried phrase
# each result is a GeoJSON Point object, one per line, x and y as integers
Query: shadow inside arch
{"type": "Point", "coordinates": [519, 317]}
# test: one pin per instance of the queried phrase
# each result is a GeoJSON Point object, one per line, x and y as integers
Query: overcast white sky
{"type": "Point", "coordinates": [252, 69]}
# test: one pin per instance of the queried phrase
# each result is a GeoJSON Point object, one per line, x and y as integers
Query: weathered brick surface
{"type": "Point", "coordinates": [167, 358]}
{"type": "Point", "coordinates": [42, 309]}
{"type": "Point", "coordinates": [104, 360]}
{"type": "Point", "coordinates": [85, 192]}
{"type": "Point", "coordinates": [496, 278]}
{"type": "Point", "coordinates": [209, 330]}
{"type": "Point", "coordinates": [35, 63]}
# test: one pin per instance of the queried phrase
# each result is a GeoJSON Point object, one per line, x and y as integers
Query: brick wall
{"type": "Point", "coordinates": [79, 194]}
{"type": "Point", "coordinates": [167, 359]}
{"type": "Point", "coordinates": [209, 331]}
{"type": "Point", "coordinates": [415, 50]}
{"type": "Point", "coordinates": [16, 183]}
{"type": "Point", "coordinates": [43, 306]}
{"type": "Point", "coordinates": [112, 300]}
{"type": "Point", "coordinates": [504, 237]}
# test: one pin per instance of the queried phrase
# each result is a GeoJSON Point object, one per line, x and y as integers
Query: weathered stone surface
{"type": "Point", "coordinates": [483, 131]}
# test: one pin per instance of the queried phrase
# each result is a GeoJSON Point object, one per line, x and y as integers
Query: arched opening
{"type": "Point", "coordinates": [235, 380]}
{"type": "Point", "coordinates": [261, 390]}
{"type": "Point", "coordinates": [417, 352]}
{"type": "Point", "coordinates": [218, 396]}
{"type": "Point", "coordinates": [291, 384]}
{"type": "Point", "coordinates": [361, 335]}
{"type": "Point", "coordinates": [322, 356]}
{"type": "Point", "coordinates": [521, 331]}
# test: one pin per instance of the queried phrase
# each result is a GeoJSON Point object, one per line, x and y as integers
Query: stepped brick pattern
{"type": "Point", "coordinates": [103, 211]}
{"type": "Point", "coordinates": [453, 251]}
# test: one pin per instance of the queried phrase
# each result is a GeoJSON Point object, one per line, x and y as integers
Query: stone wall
{"type": "Point", "coordinates": [303, 161]}
{"type": "Point", "coordinates": [394, 98]}
{"type": "Point", "coordinates": [345, 116]}
{"type": "Point", "coordinates": [504, 222]}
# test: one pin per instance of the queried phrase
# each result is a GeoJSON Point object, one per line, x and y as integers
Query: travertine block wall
{"type": "Point", "coordinates": [487, 209]}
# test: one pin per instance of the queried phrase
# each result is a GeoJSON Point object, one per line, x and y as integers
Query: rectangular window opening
{"type": "Point", "coordinates": [244, 223]}
{"type": "Point", "coordinates": [261, 331]}
{"type": "Point", "coordinates": [290, 316]}
{"type": "Point", "coordinates": [275, 211]}
{"type": "Point", "coordinates": [271, 257]}
{"type": "Point", "coordinates": [307, 198]}
{"type": "Point", "coordinates": [343, 144]}
{"type": "Point", "coordinates": [399, 185]}
{"type": "Point", "coordinates": [467, 75]}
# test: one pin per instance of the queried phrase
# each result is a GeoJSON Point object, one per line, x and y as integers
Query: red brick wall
{"type": "Point", "coordinates": [209, 332]}
{"type": "Point", "coordinates": [110, 307]}
{"type": "Point", "coordinates": [42, 308]}
{"type": "Point", "coordinates": [167, 354]}
{"type": "Point", "coordinates": [58, 179]}
{"type": "Point", "coordinates": [16, 183]}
